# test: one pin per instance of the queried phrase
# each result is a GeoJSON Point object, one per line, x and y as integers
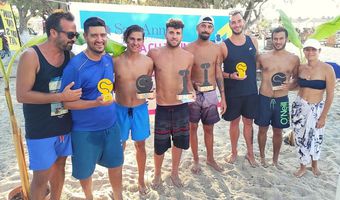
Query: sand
{"type": "Point", "coordinates": [237, 181]}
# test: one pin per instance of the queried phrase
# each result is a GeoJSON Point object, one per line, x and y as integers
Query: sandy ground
{"type": "Point", "coordinates": [237, 181]}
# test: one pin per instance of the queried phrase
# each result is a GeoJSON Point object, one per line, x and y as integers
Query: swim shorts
{"type": "Point", "coordinates": [243, 105]}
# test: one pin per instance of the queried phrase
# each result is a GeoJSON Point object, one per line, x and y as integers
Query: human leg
{"type": "Point", "coordinates": [115, 177]}
{"type": "Point", "coordinates": [248, 136]}
{"type": "Point", "coordinates": [277, 142]}
{"type": "Point", "coordinates": [234, 133]}
{"type": "Point", "coordinates": [158, 161]}
{"type": "Point", "coordinates": [141, 161]}
{"type": "Point", "coordinates": [86, 185]}
{"type": "Point", "coordinates": [57, 178]}
{"type": "Point", "coordinates": [262, 138]}
{"type": "Point", "coordinates": [209, 144]}
{"type": "Point", "coordinates": [194, 148]}
{"type": "Point", "coordinates": [176, 158]}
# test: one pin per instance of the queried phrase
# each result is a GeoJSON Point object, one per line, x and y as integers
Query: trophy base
{"type": "Point", "coordinates": [205, 88]}
{"type": "Point", "coordinates": [107, 97]}
{"type": "Point", "coordinates": [185, 98]}
{"type": "Point", "coordinates": [279, 87]}
{"type": "Point", "coordinates": [148, 95]}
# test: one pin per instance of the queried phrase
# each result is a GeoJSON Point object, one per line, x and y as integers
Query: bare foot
{"type": "Point", "coordinates": [156, 182]}
{"type": "Point", "coordinates": [276, 164]}
{"type": "Point", "coordinates": [214, 165]}
{"type": "Point", "coordinates": [231, 158]}
{"type": "Point", "coordinates": [316, 171]}
{"type": "Point", "coordinates": [176, 180]}
{"type": "Point", "coordinates": [143, 190]}
{"type": "Point", "coordinates": [196, 168]}
{"type": "Point", "coordinates": [299, 173]}
{"type": "Point", "coordinates": [264, 163]}
{"type": "Point", "coordinates": [251, 161]}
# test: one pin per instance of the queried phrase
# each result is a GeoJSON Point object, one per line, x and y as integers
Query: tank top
{"type": "Point", "coordinates": [240, 55]}
{"type": "Point", "coordinates": [47, 120]}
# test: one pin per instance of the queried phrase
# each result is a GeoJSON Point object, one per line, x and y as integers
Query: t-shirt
{"type": "Point", "coordinates": [86, 74]}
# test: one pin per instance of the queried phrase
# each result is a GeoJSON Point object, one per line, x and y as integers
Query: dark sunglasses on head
{"type": "Point", "coordinates": [71, 35]}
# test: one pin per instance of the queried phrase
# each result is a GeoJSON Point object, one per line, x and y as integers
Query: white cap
{"type": "Point", "coordinates": [312, 43]}
{"type": "Point", "coordinates": [206, 19]}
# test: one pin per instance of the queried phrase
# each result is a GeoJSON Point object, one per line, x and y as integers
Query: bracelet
{"type": "Point", "coordinates": [229, 75]}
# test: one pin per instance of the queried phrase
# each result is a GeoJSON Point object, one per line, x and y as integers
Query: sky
{"type": "Point", "coordinates": [302, 8]}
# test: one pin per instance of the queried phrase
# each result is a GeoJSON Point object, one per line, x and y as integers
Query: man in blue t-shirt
{"type": "Point", "coordinates": [95, 133]}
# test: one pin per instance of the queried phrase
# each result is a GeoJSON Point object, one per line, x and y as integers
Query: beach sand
{"type": "Point", "coordinates": [238, 181]}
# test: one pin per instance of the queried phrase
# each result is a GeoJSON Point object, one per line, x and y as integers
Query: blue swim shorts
{"type": "Point", "coordinates": [273, 111]}
{"type": "Point", "coordinates": [96, 147]}
{"type": "Point", "coordinates": [134, 119]}
{"type": "Point", "coordinates": [44, 152]}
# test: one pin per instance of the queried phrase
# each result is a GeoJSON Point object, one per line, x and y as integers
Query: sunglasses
{"type": "Point", "coordinates": [70, 35]}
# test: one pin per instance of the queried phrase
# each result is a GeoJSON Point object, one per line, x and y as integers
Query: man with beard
{"type": "Point", "coordinates": [273, 104]}
{"type": "Point", "coordinates": [132, 113]}
{"type": "Point", "coordinates": [206, 53]}
{"type": "Point", "coordinates": [172, 115]}
{"type": "Point", "coordinates": [239, 53]}
{"type": "Point", "coordinates": [47, 123]}
{"type": "Point", "coordinates": [95, 132]}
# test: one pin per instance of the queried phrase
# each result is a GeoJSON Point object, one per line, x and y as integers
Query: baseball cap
{"type": "Point", "coordinates": [206, 18]}
{"type": "Point", "coordinates": [312, 43]}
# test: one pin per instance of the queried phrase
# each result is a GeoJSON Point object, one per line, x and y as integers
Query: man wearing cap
{"type": "Point", "coordinates": [95, 133]}
{"type": "Point", "coordinates": [207, 64]}
{"type": "Point", "coordinates": [239, 72]}
{"type": "Point", "coordinates": [273, 104]}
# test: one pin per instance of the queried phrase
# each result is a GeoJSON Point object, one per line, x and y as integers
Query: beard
{"type": "Point", "coordinates": [172, 45]}
{"type": "Point", "coordinates": [95, 50]}
{"type": "Point", "coordinates": [279, 49]}
{"type": "Point", "coordinates": [204, 36]}
{"type": "Point", "coordinates": [237, 33]}
{"type": "Point", "coordinates": [65, 46]}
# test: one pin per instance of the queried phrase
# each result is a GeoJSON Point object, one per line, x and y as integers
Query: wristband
{"type": "Point", "coordinates": [229, 75]}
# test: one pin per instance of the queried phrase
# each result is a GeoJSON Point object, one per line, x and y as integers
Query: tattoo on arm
{"type": "Point", "coordinates": [220, 84]}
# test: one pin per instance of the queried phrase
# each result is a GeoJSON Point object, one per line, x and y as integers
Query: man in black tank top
{"type": "Point", "coordinates": [47, 123]}
{"type": "Point", "coordinates": [239, 74]}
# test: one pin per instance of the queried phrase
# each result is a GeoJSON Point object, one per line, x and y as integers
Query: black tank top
{"type": "Point", "coordinates": [244, 55]}
{"type": "Point", "coordinates": [47, 120]}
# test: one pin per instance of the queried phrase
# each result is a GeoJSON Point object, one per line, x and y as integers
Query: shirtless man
{"type": "Point", "coordinates": [132, 113]}
{"type": "Point", "coordinates": [205, 107]}
{"type": "Point", "coordinates": [172, 115]}
{"type": "Point", "coordinates": [273, 106]}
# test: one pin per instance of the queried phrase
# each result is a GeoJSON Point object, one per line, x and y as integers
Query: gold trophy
{"type": "Point", "coordinates": [206, 86]}
{"type": "Point", "coordinates": [241, 69]}
{"type": "Point", "coordinates": [185, 96]}
{"type": "Point", "coordinates": [144, 85]}
{"type": "Point", "coordinates": [105, 86]}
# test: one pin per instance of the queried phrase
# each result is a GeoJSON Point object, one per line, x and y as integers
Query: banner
{"type": "Point", "coordinates": [152, 19]}
{"type": "Point", "coordinates": [9, 28]}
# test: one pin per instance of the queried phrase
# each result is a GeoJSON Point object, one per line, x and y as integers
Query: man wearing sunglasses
{"type": "Point", "coordinates": [95, 133]}
{"type": "Point", "coordinates": [47, 123]}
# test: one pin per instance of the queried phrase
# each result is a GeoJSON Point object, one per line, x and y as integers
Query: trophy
{"type": "Point", "coordinates": [185, 96]}
{"type": "Point", "coordinates": [241, 69]}
{"type": "Point", "coordinates": [277, 80]}
{"type": "Point", "coordinates": [206, 86]}
{"type": "Point", "coordinates": [105, 86]}
{"type": "Point", "coordinates": [144, 86]}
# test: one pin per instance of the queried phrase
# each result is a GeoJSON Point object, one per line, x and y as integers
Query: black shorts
{"type": "Point", "coordinates": [171, 121]}
{"type": "Point", "coordinates": [273, 111]}
{"type": "Point", "coordinates": [243, 105]}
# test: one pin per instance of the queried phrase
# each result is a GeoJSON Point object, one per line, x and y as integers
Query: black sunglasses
{"type": "Point", "coordinates": [71, 35]}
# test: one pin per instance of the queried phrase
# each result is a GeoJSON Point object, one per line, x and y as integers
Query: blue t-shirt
{"type": "Point", "coordinates": [86, 74]}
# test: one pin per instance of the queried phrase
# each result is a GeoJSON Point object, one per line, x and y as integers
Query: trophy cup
{"type": "Point", "coordinates": [277, 80]}
{"type": "Point", "coordinates": [144, 86]}
{"type": "Point", "coordinates": [185, 96]}
{"type": "Point", "coordinates": [241, 69]}
{"type": "Point", "coordinates": [105, 86]}
{"type": "Point", "coordinates": [206, 86]}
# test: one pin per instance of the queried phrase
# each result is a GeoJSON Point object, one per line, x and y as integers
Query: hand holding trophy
{"type": "Point", "coordinates": [144, 85]}
{"type": "Point", "coordinates": [105, 86]}
{"type": "Point", "coordinates": [185, 96]}
{"type": "Point", "coordinates": [241, 69]}
{"type": "Point", "coordinates": [206, 86]}
{"type": "Point", "coordinates": [278, 80]}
